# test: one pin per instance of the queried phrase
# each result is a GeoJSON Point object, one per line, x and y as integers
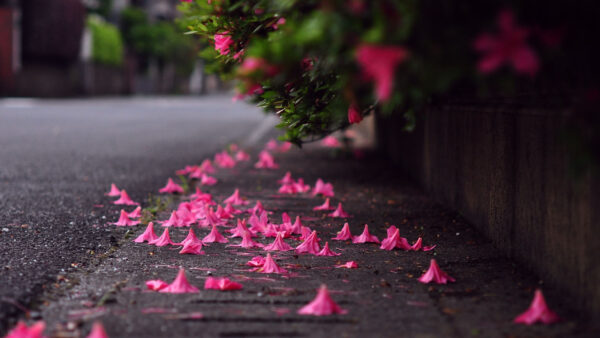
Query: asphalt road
{"type": "Point", "coordinates": [57, 157]}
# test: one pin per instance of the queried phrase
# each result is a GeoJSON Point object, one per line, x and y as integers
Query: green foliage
{"type": "Point", "coordinates": [107, 44]}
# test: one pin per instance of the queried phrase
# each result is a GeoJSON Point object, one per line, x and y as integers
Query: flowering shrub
{"type": "Point", "coordinates": [322, 65]}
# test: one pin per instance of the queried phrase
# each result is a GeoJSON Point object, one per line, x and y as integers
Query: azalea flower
{"type": "Point", "coordinates": [326, 251]}
{"type": "Point", "coordinates": [242, 156]}
{"type": "Point", "coordinates": [21, 330]}
{"type": "Point", "coordinates": [148, 235]}
{"type": "Point", "coordinates": [330, 142]}
{"type": "Point", "coordinates": [325, 189]}
{"type": "Point", "coordinates": [265, 161]}
{"type": "Point", "coordinates": [354, 114]}
{"type": "Point", "coordinates": [339, 212]}
{"type": "Point", "coordinates": [163, 240]}
{"type": "Point", "coordinates": [125, 199]}
{"type": "Point", "coordinates": [222, 284]}
{"type": "Point", "coordinates": [269, 266]}
{"type": "Point", "coordinates": [344, 234]}
{"type": "Point", "coordinates": [114, 191]}
{"type": "Point", "coordinates": [435, 274]}
{"type": "Point", "coordinates": [97, 331]}
{"type": "Point", "coordinates": [235, 198]}
{"type": "Point", "coordinates": [222, 43]}
{"type": "Point", "coordinates": [214, 236]}
{"type": "Point", "coordinates": [538, 311]}
{"type": "Point", "coordinates": [136, 213]}
{"type": "Point", "coordinates": [310, 245]}
{"type": "Point", "coordinates": [192, 248]}
{"type": "Point", "coordinates": [348, 265]}
{"type": "Point", "coordinates": [365, 237]}
{"type": "Point", "coordinates": [124, 220]}
{"type": "Point", "coordinates": [179, 285]}
{"type": "Point", "coordinates": [508, 47]}
{"type": "Point", "coordinates": [156, 284]}
{"type": "Point", "coordinates": [378, 63]}
{"type": "Point", "coordinates": [278, 244]}
{"type": "Point", "coordinates": [322, 305]}
{"type": "Point", "coordinates": [256, 261]}
{"type": "Point", "coordinates": [171, 188]}
{"type": "Point", "coordinates": [208, 180]}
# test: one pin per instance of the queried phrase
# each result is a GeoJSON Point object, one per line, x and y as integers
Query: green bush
{"type": "Point", "coordinates": [107, 44]}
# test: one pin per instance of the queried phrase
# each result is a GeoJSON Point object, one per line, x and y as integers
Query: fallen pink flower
{"type": "Point", "coordinates": [222, 214]}
{"type": "Point", "coordinates": [258, 208]}
{"type": "Point", "coordinates": [192, 248]}
{"type": "Point", "coordinates": [365, 237]}
{"type": "Point", "coordinates": [289, 189]}
{"type": "Point", "coordinates": [339, 212]}
{"type": "Point", "coordinates": [259, 223]}
{"type": "Point", "coordinates": [378, 63]}
{"type": "Point", "coordinates": [187, 170]}
{"type": "Point", "coordinates": [348, 265]}
{"type": "Point", "coordinates": [156, 284]}
{"type": "Point", "coordinates": [322, 305]}
{"type": "Point", "coordinates": [256, 261]}
{"type": "Point", "coordinates": [305, 232]}
{"type": "Point", "coordinates": [207, 180]}
{"type": "Point", "coordinates": [354, 114]}
{"type": "Point", "coordinates": [191, 237]}
{"type": "Point", "coordinates": [325, 206]}
{"type": "Point", "coordinates": [326, 251]}
{"type": "Point", "coordinates": [114, 191]}
{"type": "Point", "coordinates": [172, 221]}
{"type": "Point", "coordinates": [278, 244]}
{"type": "Point", "coordinates": [285, 146]}
{"type": "Point", "coordinates": [163, 240]}
{"type": "Point", "coordinates": [196, 173]}
{"type": "Point", "coordinates": [247, 242]}
{"type": "Point", "coordinates": [394, 240]}
{"type": "Point", "coordinates": [214, 236]}
{"type": "Point", "coordinates": [344, 234]}
{"type": "Point", "coordinates": [300, 186]}
{"type": "Point", "coordinates": [21, 330]}
{"type": "Point", "coordinates": [125, 199]}
{"type": "Point", "coordinates": [230, 209]}
{"type": "Point", "coordinates": [136, 213]}
{"type": "Point", "coordinates": [435, 274]}
{"type": "Point", "coordinates": [330, 142]}
{"type": "Point", "coordinates": [124, 220]}
{"type": "Point", "coordinates": [286, 179]}
{"type": "Point", "coordinates": [148, 235]}
{"type": "Point", "coordinates": [97, 331]}
{"type": "Point", "coordinates": [242, 156]}
{"type": "Point", "coordinates": [325, 189]}
{"type": "Point", "coordinates": [240, 229]}
{"type": "Point", "coordinates": [235, 198]}
{"type": "Point", "coordinates": [265, 161]}
{"type": "Point", "coordinates": [271, 145]}
{"type": "Point", "coordinates": [206, 166]}
{"type": "Point", "coordinates": [310, 245]}
{"type": "Point", "coordinates": [171, 188]}
{"type": "Point", "coordinates": [295, 228]}
{"type": "Point", "coordinates": [418, 245]}
{"type": "Point", "coordinates": [222, 284]}
{"type": "Point", "coordinates": [180, 284]}
{"type": "Point", "coordinates": [538, 311]}
{"type": "Point", "coordinates": [269, 266]}
{"type": "Point", "coordinates": [200, 195]}
{"type": "Point", "coordinates": [224, 160]}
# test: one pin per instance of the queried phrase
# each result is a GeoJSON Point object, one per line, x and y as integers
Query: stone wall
{"type": "Point", "coordinates": [506, 170]}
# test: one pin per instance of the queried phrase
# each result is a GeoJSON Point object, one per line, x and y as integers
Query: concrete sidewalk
{"type": "Point", "coordinates": [382, 296]}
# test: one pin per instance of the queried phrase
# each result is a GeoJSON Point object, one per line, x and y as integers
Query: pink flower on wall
{"type": "Point", "coordinates": [378, 63]}
{"type": "Point", "coordinates": [509, 46]}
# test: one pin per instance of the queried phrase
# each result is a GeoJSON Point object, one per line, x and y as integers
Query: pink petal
{"type": "Point", "coordinates": [322, 305]}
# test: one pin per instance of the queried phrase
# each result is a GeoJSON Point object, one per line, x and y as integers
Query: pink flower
{"type": "Point", "coordinates": [163, 240]}
{"type": "Point", "coordinates": [221, 284]}
{"type": "Point", "coordinates": [435, 274]}
{"type": "Point", "coordinates": [156, 284]}
{"type": "Point", "coordinates": [348, 265]}
{"type": "Point", "coordinates": [124, 220]}
{"type": "Point", "coordinates": [508, 47]}
{"type": "Point", "coordinates": [206, 166]}
{"type": "Point", "coordinates": [287, 189]}
{"type": "Point", "coordinates": [330, 142]}
{"type": "Point", "coordinates": [258, 208]}
{"type": "Point", "coordinates": [538, 311]}
{"type": "Point", "coordinates": [223, 42]}
{"type": "Point", "coordinates": [172, 221]}
{"type": "Point", "coordinates": [240, 229]}
{"type": "Point", "coordinates": [214, 236]}
{"type": "Point", "coordinates": [125, 199]}
{"type": "Point", "coordinates": [322, 305]}
{"type": "Point", "coordinates": [285, 146]}
{"type": "Point", "coordinates": [394, 240]}
{"type": "Point", "coordinates": [378, 63]}
{"type": "Point", "coordinates": [23, 331]}
{"type": "Point", "coordinates": [171, 188]}
{"type": "Point", "coordinates": [188, 169]}
{"type": "Point", "coordinates": [148, 235]}
{"type": "Point", "coordinates": [286, 179]}
{"type": "Point", "coordinates": [208, 180]}
{"type": "Point", "coordinates": [354, 114]}
{"type": "Point", "coordinates": [136, 213]}
{"type": "Point", "coordinates": [279, 22]}
{"type": "Point", "coordinates": [256, 261]}
{"type": "Point", "coordinates": [265, 161]}
{"type": "Point", "coordinates": [224, 160]}
{"type": "Point", "coordinates": [339, 212]}
{"type": "Point", "coordinates": [327, 252]}
{"type": "Point", "coordinates": [247, 241]}
{"type": "Point", "coordinates": [269, 266]}
{"type": "Point", "coordinates": [180, 284]}
{"type": "Point", "coordinates": [192, 248]}
{"type": "Point", "coordinates": [365, 237]}
{"type": "Point", "coordinates": [301, 187]}
{"type": "Point", "coordinates": [235, 198]}
{"type": "Point", "coordinates": [239, 54]}
{"type": "Point", "coordinates": [310, 245]}
{"type": "Point", "coordinates": [344, 234]}
{"type": "Point", "coordinates": [191, 238]}
{"type": "Point", "coordinates": [295, 228]}
{"type": "Point", "coordinates": [242, 156]}
{"type": "Point", "coordinates": [114, 191]}
{"type": "Point", "coordinates": [97, 331]}
{"type": "Point", "coordinates": [325, 189]}
{"type": "Point", "coordinates": [278, 244]}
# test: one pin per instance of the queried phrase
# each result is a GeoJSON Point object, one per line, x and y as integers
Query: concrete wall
{"type": "Point", "coordinates": [506, 170]}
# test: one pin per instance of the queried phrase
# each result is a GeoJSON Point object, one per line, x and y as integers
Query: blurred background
{"type": "Point", "coordinates": [97, 47]}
